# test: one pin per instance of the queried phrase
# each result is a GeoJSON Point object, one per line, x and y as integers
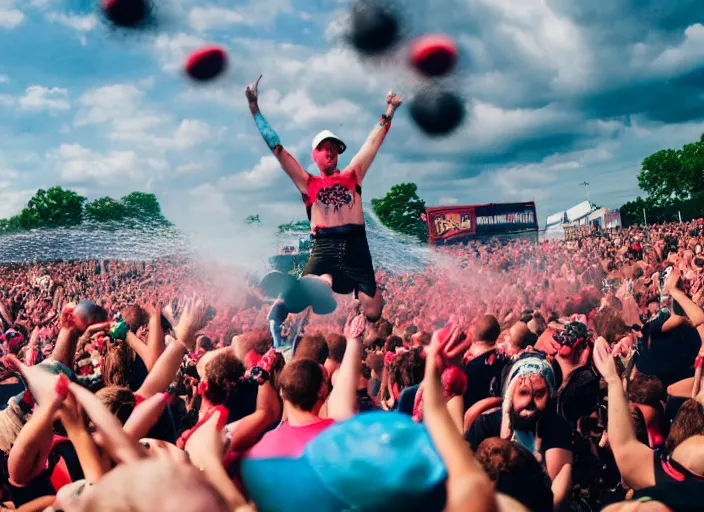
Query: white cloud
{"type": "Point", "coordinates": [123, 107]}
{"type": "Point", "coordinates": [206, 18]}
{"type": "Point", "coordinates": [105, 104]}
{"type": "Point", "coordinates": [535, 181]}
{"type": "Point", "coordinates": [9, 17]}
{"type": "Point", "coordinates": [79, 164]}
{"type": "Point", "coordinates": [546, 39]}
{"type": "Point", "coordinates": [490, 123]}
{"type": "Point", "coordinates": [260, 177]}
{"type": "Point", "coordinates": [135, 127]}
{"type": "Point", "coordinates": [337, 26]}
{"type": "Point", "coordinates": [12, 201]}
{"type": "Point", "coordinates": [255, 13]}
{"type": "Point", "coordinates": [300, 108]}
{"type": "Point", "coordinates": [8, 174]}
{"type": "Point", "coordinates": [190, 133]}
{"type": "Point", "coordinates": [209, 199]}
{"type": "Point", "coordinates": [141, 132]}
{"type": "Point", "coordinates": [38, 97]}
{"type": "Point", "coordinates": [686, 56]}
{"type": "Point", "coordinates": [189, 168]}
{"type": "Point", "coordinates": [40, 4]}
{"type": "Point", "coordinates": [79, 23]}
{"type": "Point", "coordinates": [389, 170]}
{"type": "Point", "coordinates": [153, 142]}
{"type": "Point", "coordinates": [172, 50]}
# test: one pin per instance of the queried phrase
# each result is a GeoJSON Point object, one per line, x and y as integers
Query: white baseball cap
{"type": "Point", "coordinates": [325, 135]}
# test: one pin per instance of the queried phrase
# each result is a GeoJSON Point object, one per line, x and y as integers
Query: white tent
{"type": "Point", "coordinates": [554, 223]}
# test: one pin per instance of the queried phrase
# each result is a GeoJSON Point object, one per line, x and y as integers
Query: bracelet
{"type": "Point", "coordinates": [385, 121]}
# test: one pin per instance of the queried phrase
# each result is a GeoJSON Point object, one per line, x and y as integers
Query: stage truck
{"type": "Point", "coordinates": [460, 224]}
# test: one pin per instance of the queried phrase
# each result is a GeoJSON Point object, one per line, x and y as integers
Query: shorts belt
{"type": "Point", "coordinates": [344, 231]}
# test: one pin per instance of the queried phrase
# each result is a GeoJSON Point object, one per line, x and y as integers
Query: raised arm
{"type": "Point", "coordinates": [363, 160]}
{"type": "Point", "coordinates": [298, 175]}
{"type": "Point", "coordinates": [633, 458]}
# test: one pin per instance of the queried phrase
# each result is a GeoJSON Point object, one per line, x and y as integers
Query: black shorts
{"type": "Point", "coordinates": [343, 253]}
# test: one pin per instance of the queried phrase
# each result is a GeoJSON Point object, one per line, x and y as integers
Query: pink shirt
{"type": "Point", "coordinates": [287, 441]}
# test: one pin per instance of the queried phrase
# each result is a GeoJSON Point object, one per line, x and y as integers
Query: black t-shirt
{"type": "Point", "coordinates": [242, 401]}
{"type": "Point", "coordinates": [554, 431]}
{"type": "Point", "coordinates": [674, 486]}
{"type": "Point", "coordinates": [668, 355]}
{"type": "Point", "coordinates": [580, 395]}
{"type": "Point", "coordinates": [483, 377]}
{"type": "Point", "coordinates": [165, 427]}
{"type": "Point", "coordinates": [136, 374]}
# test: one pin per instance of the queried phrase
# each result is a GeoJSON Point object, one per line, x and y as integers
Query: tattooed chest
{"type": "Point", "coordinates": [334, 198]}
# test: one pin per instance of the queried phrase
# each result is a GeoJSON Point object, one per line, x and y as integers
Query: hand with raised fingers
{"type": "Point", "coordinates": [604, 361]}
{"type": "Point", "coordinates": [252, 91]}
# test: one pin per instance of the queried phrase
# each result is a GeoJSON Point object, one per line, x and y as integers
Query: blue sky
{"type": "Point", "coordinates": [558, 92]}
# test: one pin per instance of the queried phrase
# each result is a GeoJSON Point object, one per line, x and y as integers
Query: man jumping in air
{"type": "Point", "coordinates": [340, 255]}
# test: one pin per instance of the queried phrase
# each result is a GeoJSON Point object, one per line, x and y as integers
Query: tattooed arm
{"type": "Point", "coordinates": [289, 164]}
{"type": "Point", "coordinates": [363, 160]}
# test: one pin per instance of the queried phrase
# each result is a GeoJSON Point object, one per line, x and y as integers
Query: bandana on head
{"type": "Point", "coordinates": [532, 364]}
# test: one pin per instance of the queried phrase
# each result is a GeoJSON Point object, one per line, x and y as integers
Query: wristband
{"type": "Point", "coordinates": [262, 371]}
{"type": "Point", "coordinates": [385, 121]}
{"type": "Point", "coordinates": [118, 330]}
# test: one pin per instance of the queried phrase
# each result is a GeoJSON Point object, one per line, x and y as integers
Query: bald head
{"type": "Point", "coordinates": [487, 329]}
{"type": "Point", "coordinates": [519, 335]}
{"type": "Point", "coordinates": [536, 325]}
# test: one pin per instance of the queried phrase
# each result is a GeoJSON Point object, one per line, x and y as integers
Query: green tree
{"type": "Point", "coordinates": [400, 210]}
{"type": "Point", "coordinates": [657, 213]}
{"type": "Point", "coordinates": [673, 174]}
{"type": "Point", "coordinates": [144, 207]}
{"type": "Point", "coordinates": [57, 207]}
{"type": "Point", "coordinates": [298, 226]}
{"type": "Point", "coordinates": [52, 208]}
{"type": "Point", "coordinates": [106, 209]}
{"type": "Point", "coordinates": [252, 219]}
{"type": "Point", "coordinates": [632, 212]}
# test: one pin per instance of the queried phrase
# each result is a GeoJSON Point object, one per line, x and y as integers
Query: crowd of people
{"type": "Point", "coordinates": [560, 375]}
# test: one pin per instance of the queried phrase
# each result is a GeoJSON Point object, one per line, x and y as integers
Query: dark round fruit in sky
{"type": "Point", "coordinates": [433, 55]}
{"type": "Point", "coordinates": [437, 112]}
{"type": "Point", "coordinates": [206, 63]}
{"type": "Point", "coordinates": [374, 27]}
{"type": "Point", "coordinates": [126, 13]}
